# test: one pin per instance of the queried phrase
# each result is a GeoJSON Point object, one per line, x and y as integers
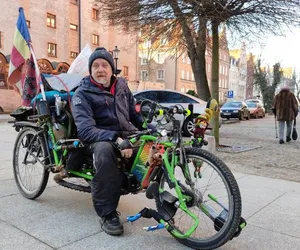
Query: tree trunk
{"type": "Point", "coordinates": [198, 62]}
{"type": "Point", "coordinates": [215, 77]}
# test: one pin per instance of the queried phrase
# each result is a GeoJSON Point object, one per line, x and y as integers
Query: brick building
{"type": "Point", "coordinates": [59, 30]}
{"type": "Point", "coordinates": [161, 65]}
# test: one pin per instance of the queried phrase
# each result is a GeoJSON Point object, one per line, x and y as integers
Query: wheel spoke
{"type": "Point", "coordinates": [29, 163]}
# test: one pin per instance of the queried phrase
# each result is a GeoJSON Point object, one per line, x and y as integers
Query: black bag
{"type": "Point", "coordinates": [294, 133]}
{"type": "Point", "coordinates": [75, 159]}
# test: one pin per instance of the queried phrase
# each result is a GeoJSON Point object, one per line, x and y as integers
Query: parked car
{"type": "Point", "coordinates": [235, 109]}
{"type": "Point", "coordinates": [171, 97]}
{"type": "Point", "coordinates": [256, 110]}
{"type": "Point", "coordinates": [260, 102]}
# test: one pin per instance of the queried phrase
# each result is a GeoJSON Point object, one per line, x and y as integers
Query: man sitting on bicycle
{"type": "Point", "coordinates": [103, 108]}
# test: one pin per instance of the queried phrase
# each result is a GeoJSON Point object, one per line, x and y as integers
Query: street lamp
{"type": "Point", "coordinates": [116, 57]}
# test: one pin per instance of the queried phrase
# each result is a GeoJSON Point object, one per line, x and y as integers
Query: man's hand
{"type": "Point", "coordinates": [126, 153]}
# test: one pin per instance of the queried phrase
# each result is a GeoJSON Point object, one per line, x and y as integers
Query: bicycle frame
{"type": "Point", "coordinates": [60, 150]}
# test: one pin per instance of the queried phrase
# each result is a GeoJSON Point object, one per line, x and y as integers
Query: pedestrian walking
{"type": "Point", "coordinates": [285, 109]}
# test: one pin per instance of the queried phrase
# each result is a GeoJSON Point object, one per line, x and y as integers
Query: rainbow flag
{"type": "Point", "coordinates": [20, 52]}
{"type": "Point", "coordinates": [24, 72]}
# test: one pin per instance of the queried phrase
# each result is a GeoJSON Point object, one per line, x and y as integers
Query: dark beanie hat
{"type": "Point", "coordinates": [104, 54]}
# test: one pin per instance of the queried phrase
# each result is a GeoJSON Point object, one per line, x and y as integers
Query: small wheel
{"type": "Point", "coordinates": [29, 160]}
{"type": "Point", "coordinates": [211, 193]}
{"type": "Point", "coordinates": [189, 126]}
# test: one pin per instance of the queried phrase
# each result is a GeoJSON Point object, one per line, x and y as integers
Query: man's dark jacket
{"type": "Point", "coordinates": [102, 116]}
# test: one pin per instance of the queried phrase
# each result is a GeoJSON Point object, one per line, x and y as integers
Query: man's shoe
{"type": "Point", "coordinates": [111, 224]}
{"type": "Point", "coordinates": [288, 138]}
{"type": "Point", "coordinates": [281, 141]}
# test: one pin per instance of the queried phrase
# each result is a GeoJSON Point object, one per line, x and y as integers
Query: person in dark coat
{"type": "Point", "coordinates": [285, 108]}
{"type": "Point", "coordinates": [103, 108]}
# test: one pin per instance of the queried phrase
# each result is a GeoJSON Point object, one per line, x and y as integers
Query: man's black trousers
{"type": "Point", "coordinates": [108, 178]}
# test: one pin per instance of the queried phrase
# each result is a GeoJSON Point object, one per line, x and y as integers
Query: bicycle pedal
{"type": "Point", "coordinates": [153, 228]}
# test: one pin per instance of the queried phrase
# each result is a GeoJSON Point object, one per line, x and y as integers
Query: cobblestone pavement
{"type": "Point", "coordinates": [270, 160]}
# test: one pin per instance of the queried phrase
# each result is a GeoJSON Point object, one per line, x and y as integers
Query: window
{"type": "Point", "coordinates": [183, 58]}
{"type": "Point", "coordinates": [160, 74]}
{"type": "Point", "coordinates": [125, 71]}
{"type": "Point", "coordinates": [95, 39]}
{"type": "Point", "coordinates": [51, 20]}
{"type": "Point", "coordinates": [150, 95]}
{"type": "Point", "coordinates": [144, 61]}
{"type": "Point", "coordinates": [193, 78]}
{"type": "Point", "coordinates": [73, 54]}
{"type": "Point", "coordinates": [160, 58]}
{"type": "Point", "coordinates": [186, 99]}
{"type": "Point", "coordinates": [52, 49]}
{"type": "Point", "coordinates": [144, 75]}
{"type": "Point", "coordinates": [169, 97]}
{"type": "Point", "coordinates": [188, 75]}
{"type": "Point", "coordinates": [182, 74]}
{"type": "Point", "coordinates": [28, 23]}
{"type": "Point", "coordinates": [95, 14]}
{"type": "Point", "coordinates": [188, 60]}
{"type": "Point", "coordinates": [73, 26]}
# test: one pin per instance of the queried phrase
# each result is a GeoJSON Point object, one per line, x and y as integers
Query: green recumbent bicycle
{"type": "Point", "coordinates": [197, 197]}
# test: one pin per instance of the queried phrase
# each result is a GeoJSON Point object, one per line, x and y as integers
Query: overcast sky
{"type": "Point", "coordinates": [285, 50]}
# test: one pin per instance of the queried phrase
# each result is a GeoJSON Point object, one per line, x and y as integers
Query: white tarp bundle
{"type": "Point", "coordinates": [63, 82]}
{"type": "Point", "coordinates": [80, 64]}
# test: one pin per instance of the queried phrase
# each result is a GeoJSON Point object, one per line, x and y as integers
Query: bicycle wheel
{"type": "Point", "coordinates": [29, 160]}
{"type": "Point", "coordinates": [212, 195]}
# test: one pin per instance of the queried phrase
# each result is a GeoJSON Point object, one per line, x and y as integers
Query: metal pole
{"type": "Point", "coordinates": [275, 126]}
{"type": "Point", "coordinates": [116, 66]}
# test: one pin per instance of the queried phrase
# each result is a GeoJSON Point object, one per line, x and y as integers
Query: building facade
{"type": "Point", "coordinates": [161, 66]}
{"type": "Point", "coordinates": [59, 31]}
{"type": "Point", "coordinates": [238, 72]}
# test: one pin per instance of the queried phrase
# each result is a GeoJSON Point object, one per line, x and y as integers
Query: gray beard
{"type": "Point", "coordinates": [105, 83]}
{"type": "Point", "coordinates": [101, 81]}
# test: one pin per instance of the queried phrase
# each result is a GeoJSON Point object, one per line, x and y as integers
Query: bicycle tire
{"type": "Point", "coordinates": [40, 151]}
{"type": "Point", "coordinates": [231, 226]}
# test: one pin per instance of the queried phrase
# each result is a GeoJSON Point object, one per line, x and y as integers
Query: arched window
{"type": "Point", "coordinates": [3, 74]}
{"type": "Point", "coordinates": [45, 66]}
{"type": "Point", "coordinates": [62, 67]}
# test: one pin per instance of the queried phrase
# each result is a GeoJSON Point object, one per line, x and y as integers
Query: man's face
{"type": "Point", "coordinates": [101, 72]}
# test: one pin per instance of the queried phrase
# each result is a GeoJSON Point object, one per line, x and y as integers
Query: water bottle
{"type": "Point", "coordinates": [58, 104]}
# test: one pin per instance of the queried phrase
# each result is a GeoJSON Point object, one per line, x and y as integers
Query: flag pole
{"type": "Point", "coordinates": [37, 73]}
